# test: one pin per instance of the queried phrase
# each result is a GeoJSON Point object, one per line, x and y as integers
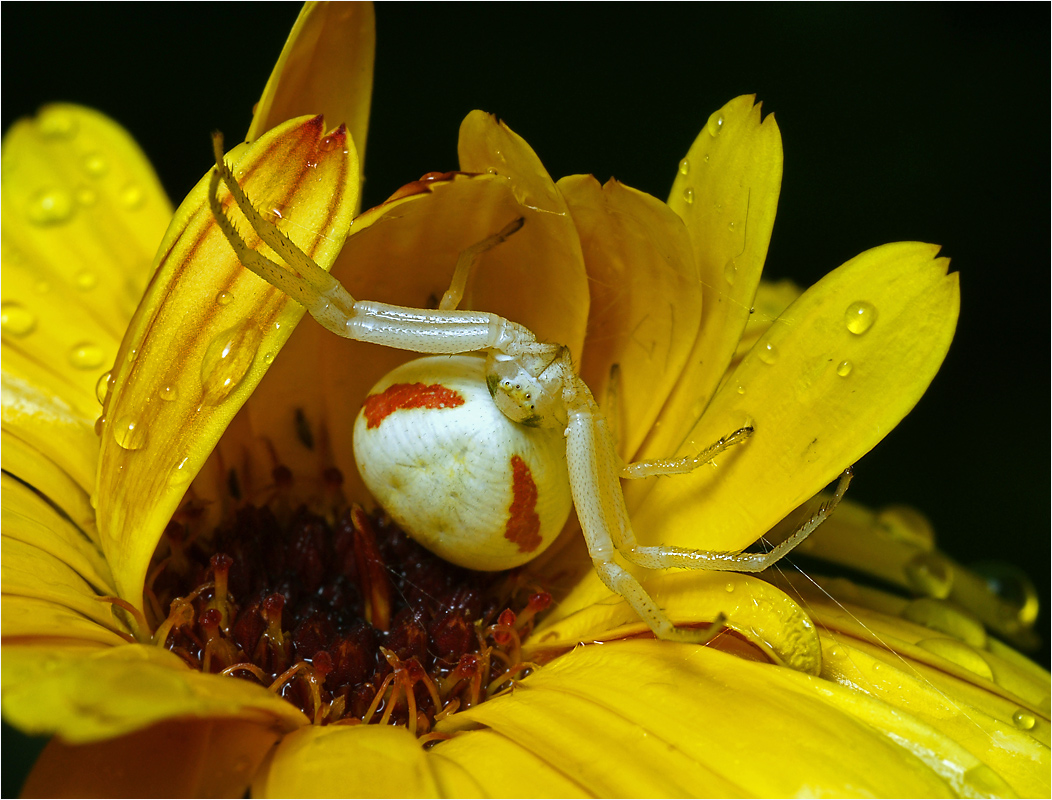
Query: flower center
{"type": "Point", "coordinates": [340, 613]}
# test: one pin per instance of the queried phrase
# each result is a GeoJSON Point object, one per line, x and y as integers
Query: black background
{"type": "Point", "coordinates": [904, 122]}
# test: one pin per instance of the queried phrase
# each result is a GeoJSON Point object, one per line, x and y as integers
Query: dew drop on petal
{"type": "Point", "coordinates": [684, 166]}
{"type": "Point", "coordinates": [226, 362]}
{"type": "Point", "coordinates": [95, 165]}
{"type": "Point", "coordinates": [224, 298]}
{"type": "Point", "coordinates": [767, 352]}
{"type": "Point", "coordinates": [103, 386]}
{"type": "Point", "coordinates": [942, 616]}
{"type": "Point", "coordinates": [132, 197]}
{"type": "Point", "coordinates": [129, 433]}
{"type": "Point", "coordinates": [328, 144]}
{"type": "Point", "coordinates": [843, 369]}
{"type": "Point", "coordinates": [86, 280]}
{"type": "Point", "coordinates": [169, 393]}
{"type": "Point", "coordinates": [905, 524]}
{"type": "Point", "coordinates": [100, 423]}
{"type": "Point", "coordinates": [50, 207]}
{"type": "Point", "coordinates": [268, 359]}
{"type": "Point", "coordinates": [715, 124]}
{"type": "Point", "coordinates": [180, 473]}
{"type": "Point", "coordinates": [860, 317]}
{"type": "Point", "coordinates": [688, 195]}
{"type": "Point", "coordinates": [741, 389]}
{"type": "Point", "coordinates": [729, 587]}
{"type": "Point", "coordinates": [55, 123]}
{"type": "Point", "coordinates": [930, 574]}
{"type": "Point", "coordinates": [958, 653]}
{"type": "Point", "coordinates": [86, 355]}
{"type": "Point", "coordinates": [730, 226]}
{"type": "Point", "coordinates": [730, 271]}
{"type": "Point", "coordinates": [16, 319]}
{"type": "Point", "coordinates": [1024, 720]}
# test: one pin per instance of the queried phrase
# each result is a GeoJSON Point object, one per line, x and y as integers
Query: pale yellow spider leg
{"type": "Point", "coordinates": [680, 466]}
{"type": "Point", "coordinates": [467, 260]}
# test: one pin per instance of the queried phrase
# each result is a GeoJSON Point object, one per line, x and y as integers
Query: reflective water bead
{"type": "Point", "coordinates": [86, 280]}
{"type": "Point", "coordinates": [715, 124]}
{"type": "Point", "coordinates": [86, 355]}
{"type": "Point", "coordinates": [730, 271]}
{"type": "Point", "coordinates": [930, 574]}
{"type": "Point", "coordinates": [16, 319]}
{"type": "Point", "coordinates": [1024, 720]}
{"type": "Point", "coordinates": [684, 166]}
{"type": "Point", "coordinates": [180, 474]}
{"type": "Point", "coordinates": [688, 195]}
{"type": "Point", "coordinates": [57, 124]}
{"type": "Point", "coordinates": [103, 386]}
{"type": "Point", "coordinates": [50, 206]}
{"type": "Point", "coordinates": [169, 393]}
{"type": "Point", "coordinates": [768, 353]}
{"type": "Point", "coordinates": [132, 197]}
{"type": "Point", "coordinates": [95, 165]}
{"type": "Point", "coordinates": [268, 359]}
{"type": "Point", "coordinates": [860, 317]}
{"type": "Point", "coordinates": [226, 362]}
{"type": "Point", "coordinates": [224, 298]}
{"type": "Point", "coordinates": [843, 369]}
{"type": "Point", "coordinates": [129, 433]}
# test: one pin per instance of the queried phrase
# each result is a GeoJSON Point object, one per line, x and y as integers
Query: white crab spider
{"type": "Point", "coordinates": [528, 392]}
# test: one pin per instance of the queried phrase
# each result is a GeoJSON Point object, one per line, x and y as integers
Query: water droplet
{"type": "Point", "coordinates": [227, 361]}
{"type": "Point", "coordinates": [86, 280]}
{"type": "Point", "coordinates": [180, 474]}
{"type": "Point", "coordinates": [224, 298]}
{"type": "Point", "coordinates": [132, 197]}
{"type": "Point", "coordinates": [715, 124]}
{"type": "Point", "coordinates": [843, 369]}
{"type": "Point", "coordinates": [945, 618]}
{"type": "Point", "coordinates": [905, 524]}
{"type": "Point", "coordinates": [835, 652]}
{"type": "Point", "coordinates": [930, 574]}
{"type": "Point", "coordinates": [268, 359]}
{"type": "Point", "coordinates": [1013, 587]}
{"type": "Point", "coordinates": [982, 781]}
{"type": "Point", "coordinates": [741, 389]}
{"type": "Point", "coordinates": [95, 165]}
{"type": "Point", "coordinates": [278, 211]}
{"type": "Point", "coordinates": [729, 587]}
{"type": "Point", "coordinates": [103, 386]}
{"type": "Point", "coordinates": [57, 124]}
{"type": "Point", "coordinates": [86, 197]}
{"type": "Point", "coordinates": [684, 166]}
{"type": "Point", "coordinates": [960, 654]}
{"type": "Point", "coordinates": [328, 144]}
{"type": "Point", "coordinates": [100, 423]}
{"type": "Point", "coordinates": [688, 195]}
{"type": "Point", "coordinates": [1024, 720]}
{"type": "Point", "coordinates": [93, 498]}
{"type": "Point", "coordinates": [706, 158]}
{"type": "Point", "coordinates": [730, 226]}
{"type": "Point", "coordinates": [132, 355]}
{"type": "Point", "coordinates": [86, 355]}
{"type": "Point", "coordinates": [50, 207]}
{"type": "Point", "coordinates": [16, 319]}
{"type": "Point", "coordinates": [767, 352]}
{"type": "Point", "coordinates": [860, 317]}
{"type": "Point", "coordinates": [129, 433]}
{"type": "Point", "coordinates": [169, 393]}
{"type": "Point", "coordinates": [730, 271]}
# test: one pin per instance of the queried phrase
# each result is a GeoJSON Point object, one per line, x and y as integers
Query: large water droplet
{"type": "Point", "coordinates": [50, 206]}
{"type": "Point", "coordinates": [16, 319]}
{"type": "Point", "coordinates": [843, 369]}
{"type": "Point", "coordinates": [103, 386]}
{"type": "Point", "coordinates": [129, 433]}
{"type": "Point", "coordinates": [57, 124]}
{"type": "Point", "coordinates": [960, 654]}
{"type": "Point", "coordinates": [86, 355]}
{"type": "Point", "coordinates": [930, 574]}
{"type": "Point", "coordinates": [715, 124]}
{"type": "Point", "coordinates": [688, 195]}
{"type": "Point", "coordinates": [767, 353]}
{"type": "Point", "coordinates": [95, 165]}
{"type": "Point", "coordinates": [943, 617]}
{"type": "Point", "coordinates": [86, 280]}
{"type": "Point", "coordinates": [100, 423]}
{"type": "Point", "coordinates": [132, 197]}
{"type": "Point", "coordinates": [860, 317]}
{"type": "Point", "coordinates": [224, 297]}
{"type": "Point", "coordinates": [227, 361]}
{"type": "Point", "coordinates": [1024, 720]}
{"type": "Point", "coordinates": [684, 166]}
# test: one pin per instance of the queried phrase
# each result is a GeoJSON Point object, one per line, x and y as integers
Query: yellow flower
{"type": "Point", "coordinates": [881, 695]}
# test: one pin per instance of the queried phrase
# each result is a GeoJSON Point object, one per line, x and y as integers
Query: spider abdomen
{"type": "Point", "coordinates": [456, 474]}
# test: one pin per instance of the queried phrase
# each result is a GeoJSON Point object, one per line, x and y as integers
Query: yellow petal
{"type": "Point", "coordinates": [326, 67]}
{"type": "Point", "coordinates": [766, 616]}
{"type": "Point", "coordinates": [82, 212]}
{"type": "Point", "coordinates": [183, 758]}
{"type": "Point", "coordinates": [726, 190]}
{"type": "Point", "coordinates": [837, 370]}
{"type": "Point", "coordinates": [85, 693]}
{"type": "Point", "coordinates": [655, 718]}
{"type": "Point", "coordinates": [347, 761]}
{"type": "Point", "coordinates": [30, 620]}
{"type": "Point", "coordinates": [206, 333]}
{"type": "Point", "coordinates": [51, 481]}
{"type": "Point", "coordinates": [645, 298]}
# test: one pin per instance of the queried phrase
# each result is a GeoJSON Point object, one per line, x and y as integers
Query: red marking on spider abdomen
{"type": "Point", "coordinates": [408, 395]}
{"type": "Point", "coordinates": [524, 526]}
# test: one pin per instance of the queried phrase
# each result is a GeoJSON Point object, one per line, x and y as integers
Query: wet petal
{"type": "Point", "coordinates": [654, 718]}
{"type": "Point", "coordinates": [831, 377]}
{"type": "Point", "coordinates": [82, 212]}
{"type": "Point", "coordinates": [184, 758]}
{"type": "Point", "coordinates": [726, 190]}
{"type": "Point", "coordinates": [765, 616]}
{"type": "Point", "coordinates": [85, 693]}
{"type": "Point", "coordinates": [374, 761]}
{"type": "Point", "coordinates": [645, 298]}
{"type": "Point", "coordinates": [28, 619]}
{"type": "Point", "coordinates": [206, 333]}
{"type": "Point", "coordinates": [326, 67]}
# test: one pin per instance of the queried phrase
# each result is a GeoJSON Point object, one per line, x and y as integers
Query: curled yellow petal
{"type": "Point", "coordinates": [833, 374]}
{"type": "Point", "coordinates": [206, 332]}
{"type": "Point", "coordinates": [326, 67]}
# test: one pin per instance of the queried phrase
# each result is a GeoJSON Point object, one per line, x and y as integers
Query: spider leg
{"type": "Point", "coordinates": [467, 260]}
{"type": "Point", "coordinates": [679, 466]}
